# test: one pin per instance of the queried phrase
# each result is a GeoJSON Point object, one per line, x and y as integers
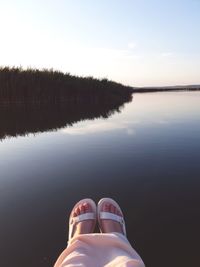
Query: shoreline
{"type": "Point", "coordinates": [36, 87]}
{"type": "Point", "coordinates": [164, 89]}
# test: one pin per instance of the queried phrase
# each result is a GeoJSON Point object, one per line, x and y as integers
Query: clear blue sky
{"type": "Point", "coordinates": [136, 42]}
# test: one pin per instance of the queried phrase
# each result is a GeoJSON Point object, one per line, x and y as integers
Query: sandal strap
{"type": "Point", "coordinates": [83, 217]}
{"type": "Point", "coordinates": [110, 216]}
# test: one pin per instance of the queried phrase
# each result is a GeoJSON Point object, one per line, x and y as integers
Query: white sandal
{"type": "Point", "coordinates": [73, 220]}
{"type": "Point", "coordinates": [104, 215]}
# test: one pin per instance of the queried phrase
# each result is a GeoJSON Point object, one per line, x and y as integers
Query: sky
{"type": "Point", "coordinates": [134, 42]}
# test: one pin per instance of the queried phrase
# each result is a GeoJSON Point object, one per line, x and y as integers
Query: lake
{"type": "Point", "coordinates": [146, 156]}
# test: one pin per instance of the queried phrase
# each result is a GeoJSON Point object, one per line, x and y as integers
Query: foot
{"type": "Point", "coordinates": [109, 226]}
{"type": "Point", "coordinates": [83, 227]}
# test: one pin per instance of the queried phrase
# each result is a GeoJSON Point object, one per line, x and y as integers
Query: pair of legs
{"type": "Point", "coordinates": [87, 226]}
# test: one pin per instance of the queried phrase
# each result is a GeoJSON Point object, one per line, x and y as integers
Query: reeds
{"type": "Point", "coordinates": [33, 86]}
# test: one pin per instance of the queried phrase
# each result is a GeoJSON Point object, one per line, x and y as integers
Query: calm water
{"type": "Point", "coordinates": [147, 157]}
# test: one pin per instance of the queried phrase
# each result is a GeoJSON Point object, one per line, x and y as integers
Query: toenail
{"type": "Point", "coordinates": [77, 211]}
{"type": "Point", "coordinates": [81, 208]}
{"type": "Point", "coordinates": [86, 205]}
{"type": "Point", "coordinates": [74, 214]}
{"type": "Point", "coordinates": [112, 208]}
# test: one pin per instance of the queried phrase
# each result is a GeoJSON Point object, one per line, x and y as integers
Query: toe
{"type": "Point", "coordinates": [105, 207]}
{"type": "Point", "coordinates": [112, 208]}
{"type": "Point", "coordinates": [77, 211]}
{"type": "Point", "coordinates": [87, 207]}
{"type": "Point", "coordinates": [82, 209]}
{"type": "Point", "coordinates": [74, 214]}
{"type": "Point", "coordinates": [118, 213]}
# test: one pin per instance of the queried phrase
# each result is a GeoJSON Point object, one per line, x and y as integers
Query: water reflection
{"type": "Point", "coordinates": [146, 157]}
{"type": "Point", "coordinates": [23, 120]}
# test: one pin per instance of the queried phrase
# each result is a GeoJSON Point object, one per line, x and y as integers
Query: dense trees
{"type": "Point", "coordinates": [34, 86]}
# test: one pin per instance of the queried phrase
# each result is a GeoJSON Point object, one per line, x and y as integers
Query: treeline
{"type": "Point", "coordinates": [33, 86]}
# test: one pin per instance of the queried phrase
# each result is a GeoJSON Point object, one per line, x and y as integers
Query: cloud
{"type": "Point", "coordinates": [132, 45]}
{"type": "Point", "coordinates": [97, 127]}
{"type": "Point", "coordinates": [166, 54]}
{"type": "Point", "coordinates": [92, 128]}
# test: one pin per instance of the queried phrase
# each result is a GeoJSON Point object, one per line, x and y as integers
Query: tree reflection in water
{"type": "Point", "coordinates": [25, 119]}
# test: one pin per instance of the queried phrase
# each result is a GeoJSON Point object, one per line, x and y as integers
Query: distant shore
{"type": "Point", "coordinates": [166, 88]}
